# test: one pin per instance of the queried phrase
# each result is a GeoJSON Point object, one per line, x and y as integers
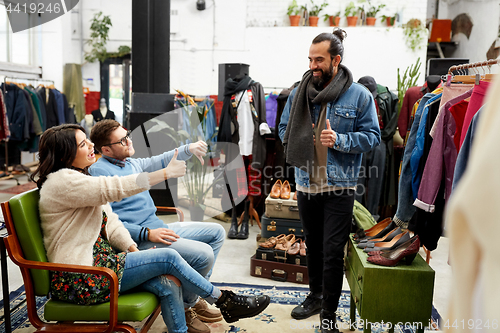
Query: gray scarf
{"type": "Point", "coordinates": [298, 139]}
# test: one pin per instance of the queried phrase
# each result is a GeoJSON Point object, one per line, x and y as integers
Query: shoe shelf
{"type": "Point", "coordinates": [399, 294]}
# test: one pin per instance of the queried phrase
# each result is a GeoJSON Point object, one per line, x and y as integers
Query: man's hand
{"type": "Point", "coordinates": [199, 149]}
{"type": "Point", "coordinates": [175, 168]}
{"type": "Point", "coordinates": [162, 235]}
{"type": "Point", "coordinates": [328, 136]}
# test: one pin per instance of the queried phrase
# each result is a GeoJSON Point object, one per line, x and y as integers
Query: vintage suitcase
{"type": "Point", "coordinates": [279, 256]}
{"type": "Point", "coordinates": [281, 208]}
{"type": "Point", "coordinates": [278, 271]}
{"type": "Point", "coordinates": [274, 226]}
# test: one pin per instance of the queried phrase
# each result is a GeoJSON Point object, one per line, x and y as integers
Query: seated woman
{"type": "Point", "coordinates": [80, 228]}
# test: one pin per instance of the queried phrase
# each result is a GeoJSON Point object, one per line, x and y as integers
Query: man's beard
{"type": "Point", "coordinates": [320, 81]}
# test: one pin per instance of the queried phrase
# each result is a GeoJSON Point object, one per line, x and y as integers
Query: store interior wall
{"type": "Point", "coordinates": [485, 16]}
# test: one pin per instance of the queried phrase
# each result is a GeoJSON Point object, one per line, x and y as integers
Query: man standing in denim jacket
{"type": "Point", "coordinates": [327, 123]}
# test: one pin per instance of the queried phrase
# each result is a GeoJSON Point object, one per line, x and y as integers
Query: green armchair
{"type": "Point", "coordinates": [24, 244]}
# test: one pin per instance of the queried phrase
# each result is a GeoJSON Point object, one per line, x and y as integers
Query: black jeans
{"type": "Point", "coordinates": [326, 220]}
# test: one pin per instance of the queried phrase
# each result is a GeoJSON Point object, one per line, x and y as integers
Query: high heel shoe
{"type": "Point", "coordinates": [295, 247]}
{"type": "Point", "coordinates": [360, 234]}
{"type": "Point", "coordinates": [380, 234]}
{"type": "Point", "coordinates": [391, 245]}
{"type": "Point", "coordinates": [285, 243]}
{"type": "Point", "coordinates": [285, 190]}
{"type": "Point", "coordinates": [303, 248]}
{"type": "Point", "coordinates": [407, 251]}
{"type": "Point", "coordinates": [387, 238]}
{"type": "Point", "coordinates": [276, 190]}
{"type": "Point", "coordinates": [272, 241]}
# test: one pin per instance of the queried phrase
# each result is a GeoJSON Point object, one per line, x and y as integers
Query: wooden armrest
{"type": "Point", "coordinates": [14, 250]}
{"type": "Point", "coordinates": [171, 210]}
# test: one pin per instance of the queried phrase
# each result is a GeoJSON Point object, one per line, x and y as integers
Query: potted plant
{"type": "Point", "coordinates": [333, 19]}
{"type": "Point", "coordinates": [390, 20]}
{"type": "Point", "coordinates": [197, 181]}
{"type": "Point", "coordinates": [372, 12]}
{"type": "Point", "coordinates": [293, 14]}
{"type": "Point", "coordinates": [351, 12]}
{"type": "Point", "coordinates": [314, 13]}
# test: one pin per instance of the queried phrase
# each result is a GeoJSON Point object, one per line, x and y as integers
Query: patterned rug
{"type": "Point", "coordinates": [276, 318]}
{"type": "Point", "coordinates": [19, 188]}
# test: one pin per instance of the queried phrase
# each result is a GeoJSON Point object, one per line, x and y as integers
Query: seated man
{"type": "Point", "coordinates": [198, 243]}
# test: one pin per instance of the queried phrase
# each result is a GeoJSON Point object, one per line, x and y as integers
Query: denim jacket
{"type": "Point", "coordinates": [353, 117]}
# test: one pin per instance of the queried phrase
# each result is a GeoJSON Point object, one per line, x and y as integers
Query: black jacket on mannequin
{"type": "Point", "coordinates": [98, 115]}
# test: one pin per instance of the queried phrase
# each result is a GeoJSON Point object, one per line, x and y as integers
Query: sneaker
{"type": "Point", "coordinates": [194, 324]}
{"type": "Point", "coordinates": [205, 313]}
{"type": "Point", "coordinates": [235, 307]}
{"type": "Point", "coordinates": [308, 308]}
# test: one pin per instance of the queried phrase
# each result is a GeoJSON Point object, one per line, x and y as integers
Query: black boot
{"type": "Point", "coordinates": [308, 308]}
{"type": "Point", "coordinates": [243, 233]}
{"type": "Point", "coordinates": [234, 307]}
{"type": "Point", "coordinates": [233, 230]}
{"type": "Point", "coordinates": [328, 321]}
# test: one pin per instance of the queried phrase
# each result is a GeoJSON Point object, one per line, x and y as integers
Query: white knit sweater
{"type": "Point", "coordinates": [71, 206]}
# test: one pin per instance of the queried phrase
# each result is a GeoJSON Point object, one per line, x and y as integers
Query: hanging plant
{"type": "Point", "coordinates": [99, 28]}
{"type": "Point", "coordinates": [415, 34]}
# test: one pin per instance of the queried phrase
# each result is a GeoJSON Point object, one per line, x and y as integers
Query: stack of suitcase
{"type": "Point", "coordinates": [281, 217]}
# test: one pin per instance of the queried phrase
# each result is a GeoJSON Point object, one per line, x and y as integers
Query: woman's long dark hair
{"type": "Point", "coordinates": [57, 150]}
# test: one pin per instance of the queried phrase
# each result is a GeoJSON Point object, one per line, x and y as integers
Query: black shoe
{"type": "Point", "coordinates": [233, 230]}
{"type": "Point", "coordinates": [234, 307]}
{"type": "Point", "coordinates": [243, 233]}
{"type": "Point", "coordinates": [328, 322]}
{"type": "Point", "coordinates": [308, 308]}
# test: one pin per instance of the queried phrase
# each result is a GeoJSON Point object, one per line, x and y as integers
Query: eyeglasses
{"type": "Point", "coordinates": [123, 141]}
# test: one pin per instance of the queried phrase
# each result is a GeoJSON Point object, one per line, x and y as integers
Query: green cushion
{"type": "Point", "coordinates": [131, 307]}
{"type": "Point", "coordinates": [24, 209]}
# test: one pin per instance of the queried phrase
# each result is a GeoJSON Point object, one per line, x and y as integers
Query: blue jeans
{"type": "Point", "coordinates": [199, 245]}
{"type": "Point", "coordinates": [145, 269]}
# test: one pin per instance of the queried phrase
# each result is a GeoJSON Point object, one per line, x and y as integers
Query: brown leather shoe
{"type": "Point", "coordinates": [285, 243]}
{"type": "Point", "coordinates": [285, 190]}
{"type": "Point", "coordinates": [205, 313]}
{"type": "Point", "coordinates": [194, 324]}
{"type": "Point", "coordinates": [295, 247]}
{"type": "Point", "coordinates": [303, 248]}
{"type": "Point", "coordinates": [271, 242]}
{"type": "Point", "coordinates": [276, 190]}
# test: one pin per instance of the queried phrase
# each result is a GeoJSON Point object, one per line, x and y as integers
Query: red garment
{"type": "Point", "coordinates": [458, 111]}
{"type": "Point", "coordinates": [475, 103]}
{"type": "Point", "coordinates": [254, 177]}
{"type": "Point", "coordinates": [412, 95]}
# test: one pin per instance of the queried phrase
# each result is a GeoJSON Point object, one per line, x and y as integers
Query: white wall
{"type": "Point", "coordinates": [230, 31]}
{"type": "Point", "coordinates": [485, 17]}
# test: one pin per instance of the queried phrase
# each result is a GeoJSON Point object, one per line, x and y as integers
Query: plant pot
{"type": "Point", "coordinates": [388, 21]}
{"type": "Point", "coordinates": [351, 21]}
{"type": "Point", "coordinates": [313, 21]}
{"type": "Point", "coordinates": [334, 21]}
{"type": "Point", "coordinates": [294, 20]}
{"type": "Point", "coordinates": [197, 213]}
{"type": "Point", "coordinates": [371, 20]}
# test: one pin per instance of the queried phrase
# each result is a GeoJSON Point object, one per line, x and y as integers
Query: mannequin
{"type": "Point", "coordinates": [103, 112]}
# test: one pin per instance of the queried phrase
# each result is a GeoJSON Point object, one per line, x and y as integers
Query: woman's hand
{"type": "Point", "coordinates": [162, 235]}
{"type": "Point", "coordinates": [133, 248]}
{"type": "Point", "coordinates": [175, 168]}
{"type": "Point", "coordinates": [199, 149]}
{"type": "Point", "coordinates": [328, 136]}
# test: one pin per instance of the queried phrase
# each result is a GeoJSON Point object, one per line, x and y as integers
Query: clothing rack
{"type": "Point", "coordinates": [37, 80]}
{"type": "Point", "coordinates": [473, 65]}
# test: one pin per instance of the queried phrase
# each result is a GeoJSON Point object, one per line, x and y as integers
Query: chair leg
{"type": "Point", "coordinates": [151, 320]}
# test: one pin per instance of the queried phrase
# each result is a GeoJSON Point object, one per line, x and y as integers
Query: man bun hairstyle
{"type": "Point", "coordinates": [101, 131]}
{"type": "Point", "coordinates": [336, 39]}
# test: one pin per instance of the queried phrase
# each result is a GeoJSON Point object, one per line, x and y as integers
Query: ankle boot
{"type": "Point", "coordinates": [233, 230]}
{"type": "Point", "coordinates": [234, 307]}
{"type": "Point", "coordinates": [243, 233]}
